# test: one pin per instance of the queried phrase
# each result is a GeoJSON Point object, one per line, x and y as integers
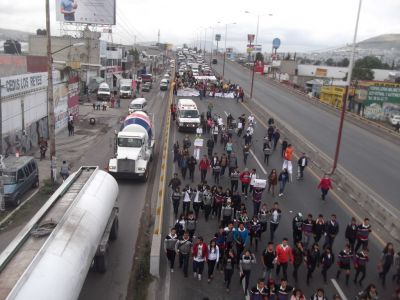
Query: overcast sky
{"type": "Point", "coordinates": [301, 25]}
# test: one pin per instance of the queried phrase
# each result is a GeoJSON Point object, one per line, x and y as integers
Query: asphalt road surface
{"type": "Point", "coordinates": [113, 284]}
{"type": "Point", "coordinates": [371, 158]}
{"type": "Point", "coordinates": [300, 196]}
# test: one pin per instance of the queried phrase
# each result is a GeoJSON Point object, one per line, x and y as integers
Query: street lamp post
{"type": "Point", "coordinates": [226, 34]}
{"type": "Point", "coordinates": [342, 114]}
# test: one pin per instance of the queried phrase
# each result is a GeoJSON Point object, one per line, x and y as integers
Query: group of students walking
{"type": "Point", "coordinates": [240, 229]}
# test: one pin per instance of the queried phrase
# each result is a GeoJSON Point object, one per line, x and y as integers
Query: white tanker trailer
{"type": "Point", "coordinates": [50, 258]}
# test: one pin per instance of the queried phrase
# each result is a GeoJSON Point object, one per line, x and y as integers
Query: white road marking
{"type": "Point", "coordinates": [338, 289]}
{"type": "Point", "coordinates": [258, 162]}
{"type": "Point", "coordinates": [226, 114]}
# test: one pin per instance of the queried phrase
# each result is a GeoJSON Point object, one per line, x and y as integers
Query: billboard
{"type": "Point", "coordinates": [382, 100]}
{"type": "Point", "coordinates": [86, 11]}
{"type": "Point", "coordinates": [276, 42]}
{"type": "Point", "coordinates": [251, 37]}
{"type": "Point", "coordinates": [217, 37]}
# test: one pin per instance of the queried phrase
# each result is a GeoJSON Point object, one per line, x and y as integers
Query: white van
{"type": "Point", "coordinates": [187, 115]}
{"type": "Point", "coordinates": [138, 104]}
{"type": "Point", "coordinates": [103, 92]}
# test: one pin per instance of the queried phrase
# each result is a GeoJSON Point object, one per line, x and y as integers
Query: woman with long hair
{"type": "Point", "coordinates": [213, 257]}
{"type": "Point", "coordinates": [386, 261]}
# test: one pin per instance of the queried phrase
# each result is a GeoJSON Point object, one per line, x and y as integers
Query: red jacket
{"type": "Point", "coordinates": [325, 183]}
{"type": "Point", "coordinates": [284, 255]}
{"type": "Point", "coordinates": [204, 164]}
{"type": "Point", "coordinates": [245, 177]}
{"type": "Point", "coordinates": [204, 250]}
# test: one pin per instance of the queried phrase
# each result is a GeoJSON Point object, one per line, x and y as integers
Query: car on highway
{"type": "Point", "coordinates": [166, 76]}
{"type": "Point", "coordinates": [164, 84]}
{"type": "Point", "coordinates": [394, 119]}
{"type": "Point", "coordinates": [214, 61]}
{"type": "Point", "coordinates": [146, 87]}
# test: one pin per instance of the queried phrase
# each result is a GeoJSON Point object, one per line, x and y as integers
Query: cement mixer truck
{"type": "Point", "coordinates": [68, 236]}
{"type": "Point", "coordinates": [134, 146]}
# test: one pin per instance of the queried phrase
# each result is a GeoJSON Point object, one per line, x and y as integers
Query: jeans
{"type": "Point", "coordinates": [228, 277]}
{"type": "Point", "coordinates": [324, 192]}
{"type": "Point", "coordinates": [186, 208]}
{"type": "Point", "coordinates": [256, 207]}
{"type": "Point", "coordinates": [211, 266]}
{"type": "Point", "coordinates": [171, 258]}
{"type": "Point", "coordinates": [245, 188]}
{"type": "Point", "coordinates": [281, 186]}
{"type": "Point", "coordinates": [272, 230]}
{"type": "Point", "coordinates": [207, 211]}
{"type": "Point", "coordinates": [198, 267]}
{"type": "Point", "coordinates": [184, 261]}
{"type": "Point", "coordinates": [234, 185]}
{"type": "Point", "coordinates": [284, 269]}
{"type": "Point", "coordinates": [175, 203]}
{"type": "Point", "coordinates": [246, 276]}
{"type": "Point", "coordinates": [203, 175]}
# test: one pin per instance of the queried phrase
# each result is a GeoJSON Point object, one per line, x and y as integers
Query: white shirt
{"type": "Point", "coordinates": [199, 256]}
{"type": "Point", "coordinates": [186, 197]}
{"type": "Point", "coordinates": [275, 215]}
{"type": "Point", "coordinates": [220, 121]}
{"type": "Point", "coordinates": [196, 197]}
{"type": "Point", "coordinates": [213, 254]}
{"type": "Point", "coordinates": [253, 177]}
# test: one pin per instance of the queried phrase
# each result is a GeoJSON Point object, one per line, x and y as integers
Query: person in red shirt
{"type": "Point", "coordinates": [284, 256]}
{"type": "Point", "coordinates": [200, 254]}
{"type": "Point", "coordinates": [325, 185]}
{"type": "Point", "coordinates": [245, 180]}
{"type": "Point", "coordinates": [204, 165]}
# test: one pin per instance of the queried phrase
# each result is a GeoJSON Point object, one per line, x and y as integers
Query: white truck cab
{"type": "Point", "coordinates": [188, 117]}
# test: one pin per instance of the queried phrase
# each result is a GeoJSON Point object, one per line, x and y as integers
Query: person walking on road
{"type": "Point", "coordinates": [223, 162]}
{"type": "Point", "coordinates": [257, 197]}
{"type": "Point", "coordinates": [235, 175]}
{"type": "Point", "coordinates": [212, 259]}
{"type": "Point", "coordinates": [183, 248]}
{"type": "Point", "coordinates": [207, 202]}
{"type": "Point", "coordinates": [247, 260]}
{"type": "Point", "coordinates": [227, 213]}
{"type": "Point", "coordinates": [396, 276]}
{"type": "Point", "coordinates": [192, 162]}
{"type": "Point", "coordinates": [64, 170]}
{"type": "Point", "coordinates": [197, 200]}
{"type": "Point", "coordinates": [210, 147]}
{"type": "Point", "coordinates": [319, 295]}
{"type": "Point", "coordinates": [283, 148]}
{"type": "Point", "coordinates": [229, 148]}
{"type": "Point", "coordinates": [245, 180]}
{"type": "Point", "coordinates": [253, 177]}
{"type": "Point", "coordinates": [298, 255]}
{"type": "Point", "coordinates": [176, 198]}
{"type": "Point", "coordinates": [276, 214]}
{"type": "Point", "coordinates": [284, 290]}
{"type": "Point", "coordinates": [184, 166]}
{"type": "Point", "coordinates": [325, 185]}
{"type": "Point", "coordinates": [307, 229]}
{"type": "Point", "coordinates": [351, 233]}
{"type": "Point", "coordinates": [259, 292]}
{"type": "Point", "coordinates": [327, 260]}
{"type": "Point", "coordinates": [272, 181]}
{"type": "Point", "coordinates": [191, 224]}
{"type": "Point", "coordinates": [297, 226]}
{"type": "Point", "coordinates": [283, 178]}
{"type": "Point", "coordinates": [246, 152]}
{"type": "Point", "coordinates": [275, 138]}
{"type": "Point", "coordinates": [216, 168]}
{"type": "Point", "coordinates": [187, 199]}
{"type": "Point", "coordinates": [174, 182]}
{"type": "Point", "coordinates": [200, 254]}
{"type": "Point", "coordinates": [312, 260]}
{"type": "Point", "coordinates": [319, 228]}
{"type": "Point", "coordinates": [363, 231]}
{"type": "Point", "coordinates": [268, 260]}
{"type": "Point", "coordinates": [344, 262]}
{"type": "Point", "coordinates": [267, 149]}
{"type": "Point", "coordinates": [204, 165]}
{"type": "Point", "coordinates": [241, 238]}
{"type": "Point", "coordinates": [229, 262]}
{"type": "Point", "coordinates": [386, 262]}
{"type": "Point", "coordinates": [284, 256]}
{"type": "Point", "coordinates": [169, 246]}
{"type": "Point", "coordinates": [263, 217]}
{"type": "Point", "coordinates": [301, 165]}
{"type": "Point", "coordinates": [331, 231]}
{"type": "Point", "coordinates": [287, 162]}
{"type": "Point", "coordinates": [360, 265]}
{"type": "Point", "coordinates": [232, 162]}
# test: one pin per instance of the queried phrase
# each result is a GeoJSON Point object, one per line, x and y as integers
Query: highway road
{"type": "Point", "coordinates": [371, 158]}
{"type": "Point", "coordinates": [131, 199]}
{"type": "Point", "coordinates": [300, 196]}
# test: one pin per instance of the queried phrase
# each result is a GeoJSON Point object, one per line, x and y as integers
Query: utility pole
{"type": "Point", "coordinates": [2, 202]}
{"type": "Point", "coordinates": [50, 100]}
{"type": "Point", "coordinates": [205, 39]}
{"type": "Point", "coordinates": [158, 37]}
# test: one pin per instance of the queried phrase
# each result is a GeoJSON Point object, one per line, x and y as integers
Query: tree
{"type": "Point", "coordinates": [317, 63]}
{"type": "Point", "coordinates": [330, 62]}
{"type": "Point", "coordinates": [259, 56]}
{"type": "Point", "coordinates": [344, 62]}
{"type": "Point", "coordinates": [135, 54]}
{"type": "Point", "coordinates": [371, 62]}
{"type": "Point", "coordinates": [288, 56]}
{"type": "Point", "coordinates": [362, 74]}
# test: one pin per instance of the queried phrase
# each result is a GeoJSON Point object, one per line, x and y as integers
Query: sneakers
{"type": "Point", "coordinates": [172, 270]}
{"type": "Point", "coordinates": [199, 277]}
{"type": "Point", "coordinates": [194, 275]}
{"type": "Point", "coordinates": [280, 195]}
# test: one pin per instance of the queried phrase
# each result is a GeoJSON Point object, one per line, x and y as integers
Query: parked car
{"type": "Point", "coordinates": [214, 61]}
{"type": "Point", "coordinates": [20, 174]}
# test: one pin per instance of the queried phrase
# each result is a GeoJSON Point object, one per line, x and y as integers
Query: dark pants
{"type": "Point", "coordinates": [186, 208]}
{"type": "Point", "coordinates": [272, 230]}
{"type": "Point", "coordinates": [175, 203]}
{"type": "Point", "coordinates": [284, 269]}
{"type": "Point", "coordinates": [207, 211]}
{"type": "Point", "coordinates": [216, 177]}
{"type": "Point", "coordinates": [196, 208]}
{"type": "Point", "coordinates": [295, 271]}
{"type": "Point", "coordinates": [382, 275]}
{"type": "Point", "coordinates": [246, 276]}
{"type": "Point", "coordinates": [228, 277]}
{"type": "Point", "coordinates": [256, 207]}
{"type": "Point", "coordinates": [234, 185]}
{"type": "Point", "coordinates": [184, 262]}
{"type": "Point", "coordinates": [310, 271]}
{"type": "Point", "coordinates": [171, 258]}
{"type": "Point", "coordinates": [297, 236]}
{"type": "Point", "coordinates": [360, 243]}
{"type": "Point", "coordinates": [203, 175]}
{"type": "Point", "coordinates": [223, 170]}
{"type": "Point", "coordinates": [191, 174]}
{"type": "Point", "coordinates": [266, 158]}
{"type": "Point", "coordinates": [324, 192]}
{"type": "Point", "coordinates": [352, 243]}
{"type": "Point", "coordinates": [324, 272]}
{"type": "Point", "coordinates": [198, 267]}
{"type": "Point", "coordinates": [328, 241]}
{"type": "Point", "coordinates": [360, 270]}
{"type": "Point", "coordinates": [211, 266]}
{"type": "Point", "coordinates": [301, 172]}
{"type": "Point", "coordinates": [184, 170]}
{"type": "Point", "coordinates": [245, 188]}
{"type": "Point", "coordinates": [245, 155]}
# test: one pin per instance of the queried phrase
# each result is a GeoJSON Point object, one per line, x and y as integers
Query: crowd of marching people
{"type": "Point", "coordinates": [231, 198]}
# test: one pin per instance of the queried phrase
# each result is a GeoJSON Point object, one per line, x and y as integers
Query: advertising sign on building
{"type": "Point", "coordinates": [86, 11]}
{"type": "Point", "coordinates": [276, 42]}
{"type": "Point", "coordinates": [319, 72]}
{"type": "Point", "coordinates": [24, 83]}
{"type": "Point", "coordinates": [73, 96]}
{"type": "Point", "coordinates": [250, 48]}
{"type": "Point", "coordinates": [259, 67]}
{"type": "Point", "coordinates": [258, 48]}
{"type": "Point", "coordinates": [382, 100]}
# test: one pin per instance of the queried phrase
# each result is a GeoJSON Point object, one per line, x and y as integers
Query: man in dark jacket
{"type": "Point", "coordinates": [331, 231]}
{"type": "Point", "coordinates": [210, 147]}
{"type": "Point", "coordinates": [302, 164]}
{"type": "Point", "coordinates": [298, 254]}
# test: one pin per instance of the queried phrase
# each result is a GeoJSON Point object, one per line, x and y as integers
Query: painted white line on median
{"type": "Point", "coordinates": [226, 114]}
{"type": "Point", "coordinates": [258, 162]}
{"type": "Point", "coordinates": [18, 208]}
{"type": "Point", "coordinates": [338, 289]}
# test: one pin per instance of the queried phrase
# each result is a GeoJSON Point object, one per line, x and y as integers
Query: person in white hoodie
{"type": "Point", "coordinates": [213, 258]}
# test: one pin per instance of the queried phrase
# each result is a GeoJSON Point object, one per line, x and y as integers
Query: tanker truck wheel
{"type": "Point", "coordinates": [146, 174]}
{"type": "Point", "coordinates": [101, 263]}
{"type": "Point", "coordinates": [114, 230]}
